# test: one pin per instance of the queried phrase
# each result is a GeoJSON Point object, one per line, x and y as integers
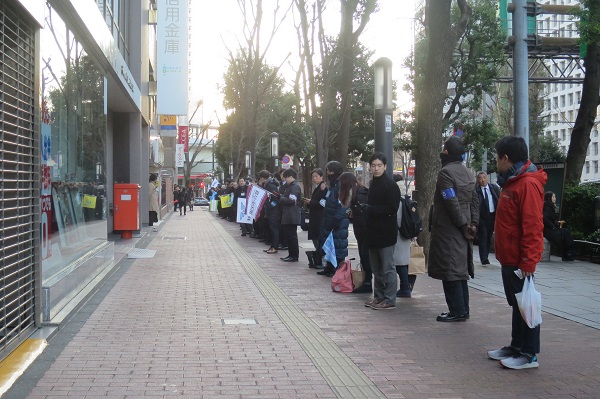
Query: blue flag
{"type": "Point", "coordinates": [329, 249]}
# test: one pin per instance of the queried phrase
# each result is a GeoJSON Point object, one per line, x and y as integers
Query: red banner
{"type": "Point", "coordinates": [183, 137]}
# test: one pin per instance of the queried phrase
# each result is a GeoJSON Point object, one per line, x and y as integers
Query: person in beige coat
{"type": "Point", "coordinates": [152, 200]}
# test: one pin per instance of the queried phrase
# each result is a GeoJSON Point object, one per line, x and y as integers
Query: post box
{"type": "Point", "coordinates": [127, 209]}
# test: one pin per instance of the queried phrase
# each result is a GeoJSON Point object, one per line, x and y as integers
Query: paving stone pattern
{"type": "Point", "coordinates": [159, 333]}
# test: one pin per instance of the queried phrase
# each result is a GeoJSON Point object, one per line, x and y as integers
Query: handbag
{"type": "Point", "coordinates": [417, 263]}
{"type": "Point", "coordinates": [358, 276]}
{"type": "Point", "coordinates": [342, 279]}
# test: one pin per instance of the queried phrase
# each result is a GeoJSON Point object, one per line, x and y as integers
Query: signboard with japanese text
{"type": "Point", "coordinates": [183, 137]}
{"type": "Point", "coordinates": [179, 155]}
{"type": "Point", "coordinates": [172, 54]}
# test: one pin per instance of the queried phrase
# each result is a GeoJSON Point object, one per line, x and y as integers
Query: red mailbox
{"type": "Point", "coordinates": [127, 209]}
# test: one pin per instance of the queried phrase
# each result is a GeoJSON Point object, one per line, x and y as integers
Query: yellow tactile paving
{"type": "Point", "coordinates": [15, 364]}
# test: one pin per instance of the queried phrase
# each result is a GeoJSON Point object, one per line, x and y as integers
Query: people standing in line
{"type": "Point", "coordinates": [332, 206]}
{"type": "Point", "coordinates": [176, 191]}
{"type": "Point", "coordinates": [402, 252]}
{"type": "Point", "coordinates": [240, 192]}
{"type": "Point", "coordinates": [282, 238]}
{"type": "Point", "coordinates": [153, 200]}
{"type": "Point", "coordinates": [382, 233]}
{"type": "Point", "coordinates": [554, 230]}
{"type": "Point", "coordinates": [182, 197]}
{"type": "Point", "coordinates": [488, 194]}
{"type": "Point", "coordinates": [519, 243]}
{"type": "Point", "coordinates": [290, 213]}
{"type": "Point", "coordinates": [358, 217]}
{"type": "Point", "coordinates": [454, 221]}
{"type": "Point", "coordinates": [189, 198]}
{"type": "Point", "coordinates": [272, 211]}
{"type": "Point", "coordinates": [315, 217]}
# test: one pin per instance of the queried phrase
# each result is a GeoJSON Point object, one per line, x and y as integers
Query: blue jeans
{"type": "Point", "coordinates": [526, 339]}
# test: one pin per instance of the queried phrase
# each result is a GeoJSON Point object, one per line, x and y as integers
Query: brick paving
{"type": "Point", "coordinates": [159, 332]}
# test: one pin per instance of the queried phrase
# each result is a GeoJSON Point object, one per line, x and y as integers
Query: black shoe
{"type": "Point", "coordinates": [263, 240]}
{"type": "Point", "coordinates": [311, 261]}
{"type": "Point", "coordinates": [282, 248]}
{"type": "Point", "coordinates": [289, 259]}
{"type": "Point", "coordinates": [252, 235]}
{"type": "Point", "coordinates": [363, 289]}
{"type": "Point", "coordinates": [243, 234]}
{"type": "Point", "coordinates": [326, 271]}
{"type": "Point", "coordinates": [467, 315]}
{"type": "Point", "coordinates": [485, 262]}
{"type": "Point", "coordinates": [448, 317]}
{"type": "Point", "coordinates": [403, 294]}
{"type": "Point", "coordinates": [268, 243]}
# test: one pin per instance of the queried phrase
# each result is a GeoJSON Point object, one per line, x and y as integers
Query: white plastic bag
{"type": "Point", "coordinates": [530, 303]}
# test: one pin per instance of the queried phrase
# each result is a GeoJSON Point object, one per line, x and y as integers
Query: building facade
{"type": "Point", "coordinates": [76, 84]}
{"type": "Point", "coordinates": [561, 100]}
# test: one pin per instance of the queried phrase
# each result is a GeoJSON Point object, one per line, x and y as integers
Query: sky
{"type": "Point", "coordinates": [217, 27]}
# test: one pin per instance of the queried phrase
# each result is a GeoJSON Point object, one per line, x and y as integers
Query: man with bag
{"type": "Point", "coordinates": [519, 243]}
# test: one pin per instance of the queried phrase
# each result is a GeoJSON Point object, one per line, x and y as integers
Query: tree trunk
{"type": "Point", "coordinates": [588, 109]}
{"type": "Point", "coordinates": [346, 52]}
{"type": "Point", "coordinates": [430, 100]}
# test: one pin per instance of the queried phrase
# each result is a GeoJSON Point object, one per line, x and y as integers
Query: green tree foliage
{"type": "Point", "coordinates": [480, 136]}
{"type": "Point", "coordinates": [578, 208]}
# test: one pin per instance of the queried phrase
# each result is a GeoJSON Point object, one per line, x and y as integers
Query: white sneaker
{"type": "Point", "coordinates": [522, 361]}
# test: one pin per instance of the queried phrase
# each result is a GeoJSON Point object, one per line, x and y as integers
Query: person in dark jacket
{"type": "Point", "coordinates": [488, 194]}
{"type": "Point", "coordinates": [358, 218]}
{"type": "Point", "coordinates": [454, 219]}
{"type": "Point", "coordinates": [189, 198]}
{"type": "Point", "coordinates": [273, 214]}
{"type": "Point", "coordinates": [176, 191]}
{"type": "Point", "coordinates": [240, 192]}
{"type": "Point", "coordinates": [382, 233]}
{"type": "Point", "coordinates": [333, 170]}
{"type": "Point", "coordinates": [315, 217]}
{"type": "Point", "coordinates": [554, 230]}
{"type": "Point", "coordinates": [182, 197]}
{"type": "Point", "coordinates": [290, 213]}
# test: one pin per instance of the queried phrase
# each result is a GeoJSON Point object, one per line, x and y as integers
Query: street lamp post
{"type": "Point", "coordinates": [248, 162]}
{"type": "Point", "coordinates": [383, 111]}
{"type": "Point", "coordinates": [231, 169]}
{"type": "Point", "coordinates": [275, 151]}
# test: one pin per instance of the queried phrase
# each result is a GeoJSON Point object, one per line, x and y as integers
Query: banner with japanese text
{"type": "Point", "coordinates": [172, 54]}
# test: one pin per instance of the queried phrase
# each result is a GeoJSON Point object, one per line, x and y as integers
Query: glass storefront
{"type": "Point", "coordinates": [74, 127]}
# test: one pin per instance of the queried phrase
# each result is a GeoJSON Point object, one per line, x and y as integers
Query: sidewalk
{"type": "Point", "coordinates": [213, 316]}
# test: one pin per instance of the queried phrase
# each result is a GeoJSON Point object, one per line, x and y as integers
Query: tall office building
{"type": "Point", "coordinates": [561, 100]}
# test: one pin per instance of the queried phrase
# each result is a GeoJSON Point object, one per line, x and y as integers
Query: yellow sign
{"type": "Point", "coordinates": [89, 201]}
{"type": "Point", "coordinates": [168, 120]}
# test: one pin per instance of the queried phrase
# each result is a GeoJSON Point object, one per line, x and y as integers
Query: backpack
{"type": "Point", "coordinates": [411, 224]}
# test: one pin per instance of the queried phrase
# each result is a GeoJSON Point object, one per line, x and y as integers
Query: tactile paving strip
{"type": "Point", "coordinates": [345, 378]}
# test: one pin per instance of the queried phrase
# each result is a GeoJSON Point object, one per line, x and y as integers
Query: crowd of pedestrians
{"type": "Point", "coordinates": [518, 215]}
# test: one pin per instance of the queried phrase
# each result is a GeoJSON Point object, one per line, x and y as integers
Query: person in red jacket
{"type": "Point", "coordinates": [519, 243]}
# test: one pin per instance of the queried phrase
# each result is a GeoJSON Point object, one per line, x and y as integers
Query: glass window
{"type": "Point", "coordinates": [587, 167]}
{"type": "Point", "coordinates": [73, 136]}
{"type": "Point", "coordinates": [563, 134]}
{"type": "Point", "coordinates": [595, 163]}
{"type": "Point", "coordinates": [595, 148]}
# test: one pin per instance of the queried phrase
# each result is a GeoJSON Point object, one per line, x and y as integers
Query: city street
{"type": "Point", "coordinates": [213, 316]}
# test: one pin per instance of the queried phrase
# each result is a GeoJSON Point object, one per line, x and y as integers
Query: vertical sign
{"type": "Point", "coordinates": [168, 125]}
{"type": "Point", "coordinates": [172, 54]}
{"type": "Point", "coordinates": [179, 155]}
{"type": "Point", "coordinates": [183, 137]}
{"type": "Point", "coordinates": [46, 190]}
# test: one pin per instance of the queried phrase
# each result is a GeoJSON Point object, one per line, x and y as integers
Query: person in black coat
{"type": "Point", "coordinates": [182, 198]}
{"type": "Point", "coordinates": [333, 170]}
{"type": "Point", "coordinates": [359, 224]}
{"type": "Point", "coordinates": [488, 194]}
{"type": "Point", "coordinates": [553, 230]}
{"type": "Point", "coordinates": [382, 233]}
{"type": "Point", "coordinates": [271, 211]}
{"type": "Point", "coordinates": [290, 213]}
{"type": "Point", "coordinates": [315, 217]}
{"type": "Point", "coordinates": [240, 192]}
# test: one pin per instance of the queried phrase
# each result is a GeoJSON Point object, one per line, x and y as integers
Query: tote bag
{"type": "Point", "coordinates": [342, 279]}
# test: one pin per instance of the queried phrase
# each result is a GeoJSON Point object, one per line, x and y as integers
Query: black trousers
{"type": "Point", "coordinates": [290, 232]}
{"type": "Point", "coordinates": [526, 339]}
{"type": "Point", "coordinates": [274, 229]}
{"type": "Point", "coordinates": [484, 234]}
{"type": "Point", "coordinates": [457, 296]}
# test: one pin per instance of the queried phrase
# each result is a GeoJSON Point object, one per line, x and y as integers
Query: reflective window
{"type": "Point", "coordinates": [73, 141]}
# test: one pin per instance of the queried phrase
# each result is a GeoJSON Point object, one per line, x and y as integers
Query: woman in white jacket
{"type": "Point", "coordinates": [402, 258]}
